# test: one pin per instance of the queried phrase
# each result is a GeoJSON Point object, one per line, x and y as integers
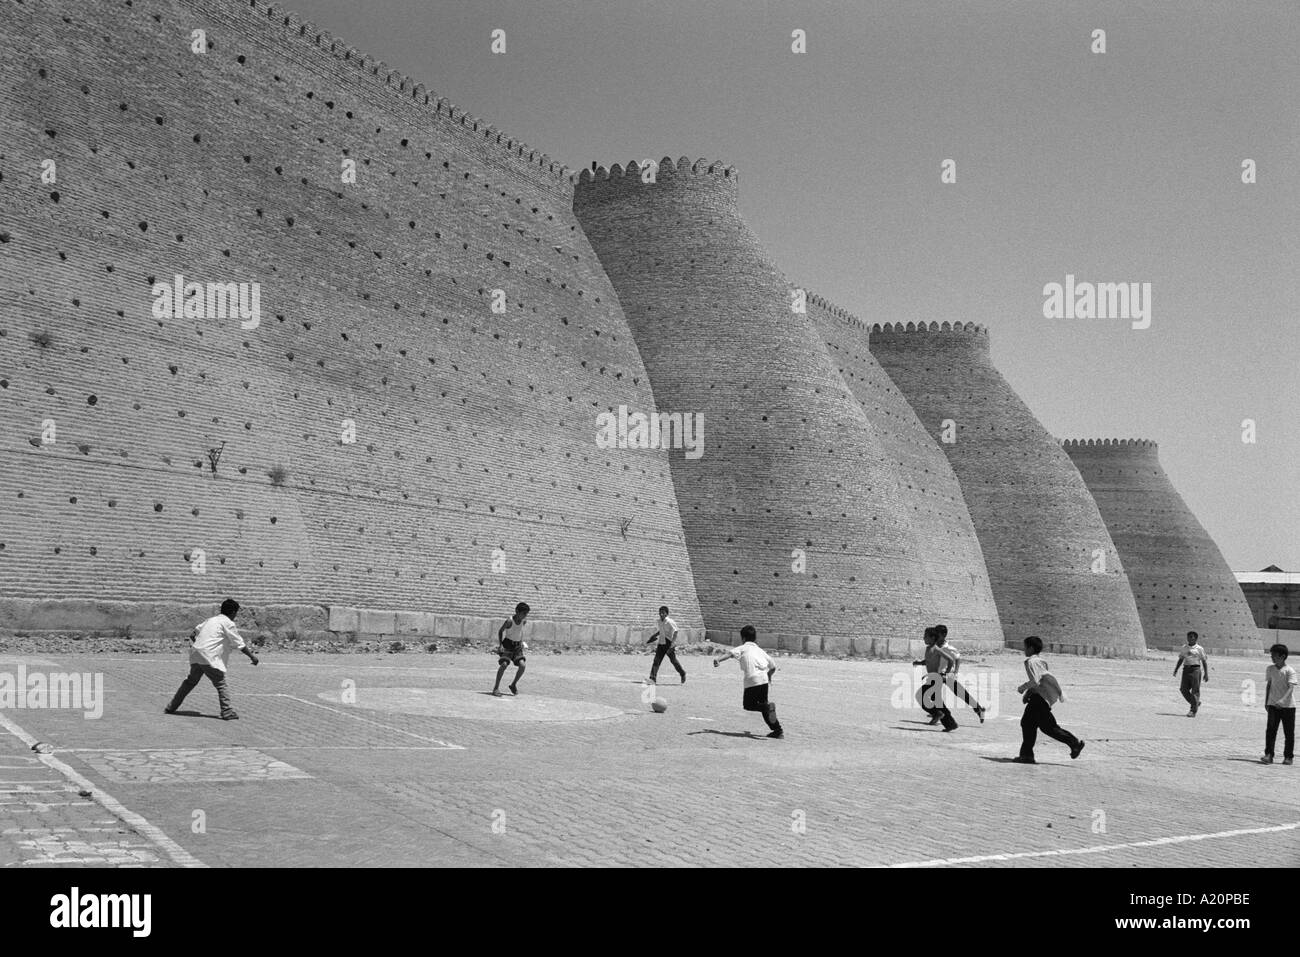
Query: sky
{"type": "Point", "coordinates": [1122, 166]}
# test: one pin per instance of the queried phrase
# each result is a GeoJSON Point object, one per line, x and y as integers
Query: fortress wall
{"type": "Point", "coordinates": [791, 462]}
{"type": "Point", "coordinates": [955, 573]}
{"type": "Point", "coordinates": [1180, 579]}
{"type": "Point", "coordinates": [474, 431]}
{"type": "Point", "coordinates": [1038, 526]}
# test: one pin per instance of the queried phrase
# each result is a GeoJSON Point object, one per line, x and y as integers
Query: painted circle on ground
{"type": "Point", "coordinates": [471, 705]}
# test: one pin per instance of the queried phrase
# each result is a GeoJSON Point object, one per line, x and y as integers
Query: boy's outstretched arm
{"type": "Point", "coordinates": [249, 652]}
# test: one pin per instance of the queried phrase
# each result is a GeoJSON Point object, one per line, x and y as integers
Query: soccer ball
{"type": "Point", "coordinates": [659, 705]}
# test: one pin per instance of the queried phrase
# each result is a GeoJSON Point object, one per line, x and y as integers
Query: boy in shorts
{"type": "Point", "coordinates": [511, 638]}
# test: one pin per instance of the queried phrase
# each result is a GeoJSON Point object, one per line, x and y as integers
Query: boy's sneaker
{"type": "Point", "coordinates": [776, 734]}
{"type": "Point", "coordinates": [1019, 760]}
{"type": "Point", "coordinates": [934, 721]}
{"type": "Point", "coordinates": [169, 710]}
{"type": "Point", "coordinates": [1266, 759]}
{"type": "Point", "coordinates": [683, 679]}
{"type": "Point", "coordinates": [1286, 761]}
{"type": "Point", "coordinates": [651, 681]}
{"type": "Point", "coordinates": [230, 716]}
{"type": "Point", "coordinates": [1075, 752]}
{"type": "Point", "coordinates": [514, 690]}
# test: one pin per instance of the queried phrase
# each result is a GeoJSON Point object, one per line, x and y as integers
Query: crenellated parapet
{"type": "Point", "coordinates": [1111, 445]}
{"type": "Point", "coordinates": [838, 312]}
{"type": "Point", "coordinates": [310, 35]}
{"type": "Point", "coordinates": [930, 335]}
{"type": "Point", "coordinates": [628, 180]}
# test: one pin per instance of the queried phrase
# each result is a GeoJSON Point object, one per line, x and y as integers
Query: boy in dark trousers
{"type": "Point", "coordinates": [511, 638]}
{"type": "Point", "coordinates": [1040, 692]}
{"type": "Point", "coordinates": [211, 643]}
{"type": "Point", "coordinates": [667, 636]}
{"type": "Point", "coordinates": [1196, 668]}
{"type": "Point", "coordinates": [757, 669]}
{"type": "Point", "coordinates": [1279, 701]}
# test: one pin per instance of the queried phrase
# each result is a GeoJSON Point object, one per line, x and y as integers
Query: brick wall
{"type": "Point", "coordinates": [792, 463]}
{"type": "Point", "coordinates": [1038, 526]}
{"type": "Point", "coordinates": [1180, 579]}
{"type": "Point", "coordinates": [474, 431]}
{"type": "Point", "coordinates": [957, 581]}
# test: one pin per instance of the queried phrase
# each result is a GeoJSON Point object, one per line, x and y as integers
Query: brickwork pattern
{"type": "Point", "coordinates": [474, 431]}
{"type": "Point", "coordinates": [1179, 577]}
{"type": "Point", "coordinates": [956, 577]}
{"type": "Point", "coordinates": [1039, 528]}
{"type": "Point", "coordinates": [791, 461]}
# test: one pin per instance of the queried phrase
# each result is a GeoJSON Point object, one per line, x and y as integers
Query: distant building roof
{"type": "Point", "coordinates": [1269, 576]}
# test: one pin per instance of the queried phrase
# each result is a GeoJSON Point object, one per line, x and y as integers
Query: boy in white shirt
{"type": "Point", "coordinates": [758, 669]}
{"type": "Point", "coordinates": [1040, 692]}
{"type": "Point", "coordinates": [667, 635]}
{"type": "Point", "coordinates": [212, 641]}
{"type": "Point", "coordinates": [1196, 668]}
{"type": "Point", "coordinates": [1279, 701]}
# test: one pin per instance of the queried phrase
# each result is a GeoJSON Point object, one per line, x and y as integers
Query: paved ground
{"type": "Point", "coordinates": [402, 760]}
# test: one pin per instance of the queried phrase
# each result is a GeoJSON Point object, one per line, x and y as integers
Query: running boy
{"type": "Point", "coordinates": [1040, 692]}
{"type": "Point", "coordinates": [930, 696]}
{"type": "Point", "coordinates": [211, 643]}
{"type": "Point", "coordinates": [950, 676]}
{"type": "Point", "coordinates": [1279, 700]}
{"type": "Point", "coordinates": [1196, 668]}
{"type": "Point", "coordinates": [758, 669]}
{"type": "Point", "coordinates": [667, 635]}
{"type": "Point", "coordinates": [511, 637]}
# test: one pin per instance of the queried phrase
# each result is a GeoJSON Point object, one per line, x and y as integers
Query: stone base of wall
{"type": "Point", "coordinates": [1276, 636]}
{"type": "Point", "coordinates": [125, 619]}
{"type": "Point", "coordinates": [109, 619]}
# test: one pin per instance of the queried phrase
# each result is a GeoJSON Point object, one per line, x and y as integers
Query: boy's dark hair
{"type": "Point", "coordinates": [1033, 641]}
{"type": "Point", "coordinates": [522, 608]}
{"type": "Point", "coordinates": [929, 632]}
{"type": "Point", "coordinates": [663, 609]}
{"type": "Point", "coordinates": [230, 608]}
{"type": "Point", "coordinates": [1279, 649]}
{"type": "Point", "coordinates": [941, 631]}
{"type": "Point", "coordinates": [1192, 634]}
{"type": "Point", "coordinates": [748, 633]}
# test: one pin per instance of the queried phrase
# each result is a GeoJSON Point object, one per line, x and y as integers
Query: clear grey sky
{"type": "Point", "coordinates": [1117, 167]}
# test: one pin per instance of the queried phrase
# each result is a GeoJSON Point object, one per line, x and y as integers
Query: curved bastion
{"type": "Point", "coordinates": [1054, 569]}
{"type": "Point", "coordinates": [793, 516]}
{"type": "Point", "coordinates": [1180, 579]}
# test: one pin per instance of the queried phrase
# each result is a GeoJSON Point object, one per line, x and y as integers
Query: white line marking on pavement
{"type": "Point", "coordinates": [272, 747]}
{"type": "Point", "coordinates": [1101, 848]}
{"type": "Point", "coordinates": [378, 724]}
{"type": "Point", "coordinates": [108, 802]}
